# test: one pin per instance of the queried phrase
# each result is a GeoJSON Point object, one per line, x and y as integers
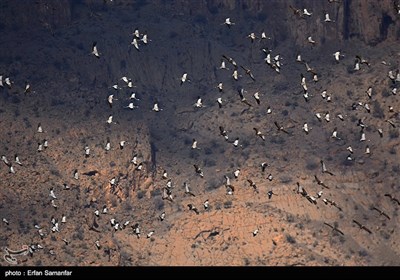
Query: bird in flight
{"type": "Point", "coordinates": [361, 226]}
{"type": "Point", "coordinates": [95, 52]}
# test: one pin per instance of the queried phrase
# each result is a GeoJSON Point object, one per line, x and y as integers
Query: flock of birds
{"type": "Point", "coordinates": [227, 65]}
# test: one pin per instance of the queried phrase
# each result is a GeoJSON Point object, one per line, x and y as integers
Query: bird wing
{"type": "Point", "coordinates": [388, 195]}
{"type": "Point", "coordinates": [386, 215]}
{"type": "Point", "coordinates": [329, 225]}
{"type": "Point", "coordinates": [366, 229]}
{"type": "Point", "coordinates": [338, 230]}
{"type": "Point", "coordinates": [360, 225]}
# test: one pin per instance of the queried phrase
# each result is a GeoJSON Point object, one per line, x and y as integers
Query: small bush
{"type": "Point", "coordinates": [290, 239]}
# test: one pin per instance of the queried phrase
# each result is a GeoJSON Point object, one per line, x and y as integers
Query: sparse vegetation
{"type": "Point", "coordinates": [290, 239]}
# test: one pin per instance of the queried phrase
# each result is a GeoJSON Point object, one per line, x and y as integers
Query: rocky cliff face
{"type": "Point", "coordinates": [369, 21]}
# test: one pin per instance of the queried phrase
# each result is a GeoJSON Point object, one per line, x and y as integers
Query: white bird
{"type": "Point", "coordinates": [45, 143]}
{"type": "Point", "coordinates": [305, 128]}
{"type": "Point", "coordinates": [53, 203]}
{"type": "Point", "coordinates": [12, 170]}
{"type": "Point", "coordinates": [228, 22]}
{"type": "Point", "coordinates": [5, 160]}
{"type": "Point", "coordinates": [236, 173]}
{"type": "Point", "coordinates": [135, 43]}
{"type": "Point", "coordinates": [219, 101]}
{"type": "Point", "coordinates": [55, 228]}
{"type": "Point", "coordinates": [39, 128]}
{"type": "Point", "coordinates": [134, 160]}
{"type": "Point", "coordinates": [306, 13]}
{"type": "Point", "coordinates": [110, 99]}
{"type": "Point", "coordinates": [184, 78]}
{"type": "Point", "coordinates": [95, 51]}
{"type": "Point", "coordinates": [107, 146]}
{"type": "Point", "coordinates": [52, 194]}
{"type": "Point", "coordinates": [252, 36]}
{"type": "Point", "coordinates": [122, 144]}
{"type": "Point", "coordinates": [5, 221]}
{"type": "Point", "coordinates": [327, 118]}
{"type": "Point", "coordinates": [236, 142]}
{"type": "Point", "coordinates": [76, 174]}
{"type": "Point", "coordinates": [350, 149]}
{"type": "Point", "coordinates": [264, 36]}
{"type": "Point", "coordinates": [362, 138]}
{"type": "Point", "coordinates": [337, 56]}
{"type": "Point", "coordinates": [40, 147]}
{"type": "Point", "coordinates": [150, 234]}
{"type": "Point", "coordinates": [334, 134]}
{"type": "Point", "coordinates": [298, 58]}
{"type": "Point", "coordinates": [256, 96]}
{"type": "Point", "coordinates": [227, 180]}
{"type": "Point", "coordinates": [110, 119]}
{"type": "Point", "coordinates": [235, 75]}
{"type": "Point", "coordinates": [206, 204]}
{"type": "Point", "coordinates": [136, 33]}
{"type": "Point", "coordinates": [223, 65]}
{"type": "Point", "coordinates": [327, 18]}
{"type": "Point", "coordinates": [367, 150]}
{"type": "Point", "coordinates": [8, 82]}
{"type": "Point", "coordinates": [87, 151]}
{"type": "Point", "coordinates": [27, 88]}
{"type": "Point", "coordinates": [194, 144]}
{"type": "Point", "coordinates": [162, 216]}
{"type": "Point", "coordinates": [133, 96]}
{"type": "Point", "coordinates": [113, 181]}
{"type": "Point", "coordinates": [63, 219]}
{"type": "Point", "coordinates": [255, 232]}
{"type": "Point", "coordinates": [17, 161]}
{"type": "Point", "coordinates": [144, 39]}
{"type": "Point", "coordinates": [199, 103]}
{"type": "Point", "coordinates": [155, 107]}
{"type": "Point", "coordinates": [131, 106]}
{"type": "Point", "coordinates": [220, 87]}
{"type": "Point", "coordinates": [310, 40]}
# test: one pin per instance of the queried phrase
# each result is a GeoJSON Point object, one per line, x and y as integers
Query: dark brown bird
{"type": "Point", "coordinates": [392, 198]}
{"type": "Point", "coordinates": [296, 12]}
{"type": "Point", "coordinates": [362, 226]}
{"type": "Point", "coordinates": [280, 128]}
{"type": "Point", "coordinates": [334, 228]}
{"type": "Point", "coordinates": [270, 193]}
{"type": "Point", "coordinates": [230, 60]}
{"type": "Point", "coordinates": [301, 190]}
{"type": "Point", "coordinates": [319, 182]}
{"type": "Point", "coordinates": [381, 213]}
{"type": "Point", "coordinates": [223, 132]}
{"type": "Point", "coordinates": [193, 208]}
{"type": "Point", "coordinates": [242, 98]}
{"type": "Point", "coordinates": [198, 170]}
{"type": "Point", "coordinates": [248, 72]}
{"type": "Point", "coordinates": [253, 185]}
{"type": "Point", "coordinates": [362, 60]}
{"type": "Point", "coordinates": [258, 133]}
